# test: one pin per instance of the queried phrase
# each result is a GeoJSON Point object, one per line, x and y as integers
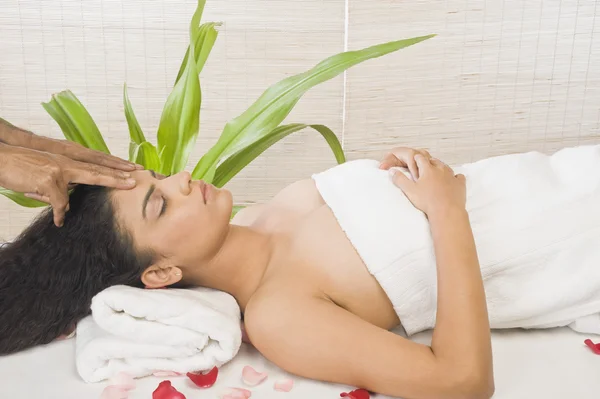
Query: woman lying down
{"type": "Point", "coordinates": [324, 270]}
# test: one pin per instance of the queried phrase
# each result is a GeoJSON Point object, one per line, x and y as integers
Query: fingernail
{"type": "Point", "coordinates": [139, 167]}
{"type": "Point", "coordinates": [130, 182]}
{"type": "Point", "coordinates": [126, 174]}
{"type": "Point", "coordinates": [68, 207]}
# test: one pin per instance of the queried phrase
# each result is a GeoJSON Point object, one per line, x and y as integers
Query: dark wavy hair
{"type": "Point", "coordinates": [49, 275]}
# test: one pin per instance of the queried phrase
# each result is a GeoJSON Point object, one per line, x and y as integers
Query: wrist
{"type": "Point", "coordinates": [446, 210]}
{"type": "Point", "coordinates": [12, 135]}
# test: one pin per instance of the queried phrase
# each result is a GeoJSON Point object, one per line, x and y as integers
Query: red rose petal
{"type": "Point", "coordinates": [166, 391]}
{"type": "Point", "coordinates": [356, 394]}
{"type": "Point", "coordinates": [204, 380]}
{"type": "Point", "coordinates": [594, 347]}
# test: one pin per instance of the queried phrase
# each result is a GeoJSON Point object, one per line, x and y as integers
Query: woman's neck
{"type": "Point", "coordinates": [239, 266]}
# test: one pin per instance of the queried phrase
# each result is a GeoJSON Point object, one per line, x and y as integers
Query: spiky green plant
{"type": "Point", "coordinates": [243, 139]}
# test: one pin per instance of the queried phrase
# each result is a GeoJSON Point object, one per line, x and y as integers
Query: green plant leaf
{"type": "Point", "coordinates": [135, 131]}
{"type": "Point", "coordinates": [180, 119]}
{"type": "Point", "coordinates": [273, 106]}
{"type": "Point", "coordinates": [6, 122]}
{"type": "Point", "coordinates": [145, 154]}
{"type": "Point", "coordinates": [21, 199]}
{"type": "Point", "coordinates": [236, 209]}
{"type": "Point", "coordinates": [209, 175]}
{"type": "Point", "coordinates": [75, 121]}
{"type": "Point", "coordinates": [236, 162]}
{"type": "Point", "coordinates": [203, 44]}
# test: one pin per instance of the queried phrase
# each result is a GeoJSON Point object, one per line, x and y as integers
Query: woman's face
{"type": "Point", "coordinates": [182, 221]}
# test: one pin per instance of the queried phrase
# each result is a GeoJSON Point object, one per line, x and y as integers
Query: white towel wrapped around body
{"type": "Point", "coordinates": [141, 331]}
{"type": "Point", "coordinates": [536, 223]}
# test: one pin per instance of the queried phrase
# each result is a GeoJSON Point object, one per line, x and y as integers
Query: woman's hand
{"type": "Point", "coordinates": [436, 187]}
{"type": "Point", "coordinates": [46, 177]}
{"type": "Point", "coordinates": [403, 157]}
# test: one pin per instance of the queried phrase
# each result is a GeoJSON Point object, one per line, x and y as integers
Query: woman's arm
{"type": "Point", "coordinates": [317, 339]}
{"type": "Point", "coordinates": [462, 333]}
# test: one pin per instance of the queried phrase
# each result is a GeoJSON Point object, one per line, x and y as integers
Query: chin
{"type": "Point", "coordinates": [225, 201]}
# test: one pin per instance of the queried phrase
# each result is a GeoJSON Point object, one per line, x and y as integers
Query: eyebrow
{"type": "Point", "coordinates": [148, 195]}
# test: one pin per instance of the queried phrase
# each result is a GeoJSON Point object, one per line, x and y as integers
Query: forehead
{"type": "Point", "coordinates": [128, 203]}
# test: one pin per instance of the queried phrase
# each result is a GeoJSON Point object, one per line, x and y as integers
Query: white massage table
{"type": "Point", "coordinates": [528, 365]}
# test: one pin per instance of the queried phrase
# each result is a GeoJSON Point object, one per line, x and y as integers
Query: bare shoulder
{"type": "Point", "coordinates": [300, 196]}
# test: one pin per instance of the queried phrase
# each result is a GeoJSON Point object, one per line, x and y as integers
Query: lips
{"type": "Point", "coordinates": [204, 189]}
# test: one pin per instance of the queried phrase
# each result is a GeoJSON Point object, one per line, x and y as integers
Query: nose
{"type": "Point", "coordinates": [184, 179]}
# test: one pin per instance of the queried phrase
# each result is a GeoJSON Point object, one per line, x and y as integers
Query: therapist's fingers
{"type": "Point", "coordinates": [85, 173]}
{"type": "Point", "coordinates": [38, 197]}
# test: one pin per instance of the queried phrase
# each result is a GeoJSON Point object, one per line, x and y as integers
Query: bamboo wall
{"type": "Point", "coordinates": [500, 77]}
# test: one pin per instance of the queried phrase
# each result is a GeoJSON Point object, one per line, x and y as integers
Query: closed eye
{"type": "Point", "coordinates": [149, 194]}
{"type": "Point", "coordinates": [164, 206]}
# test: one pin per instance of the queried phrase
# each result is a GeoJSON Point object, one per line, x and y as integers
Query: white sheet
{"type": "Point", "coordinates": [540, 364]}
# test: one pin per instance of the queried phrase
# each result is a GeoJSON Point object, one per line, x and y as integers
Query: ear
{"type": "Point", "coordinates": [157, 276]}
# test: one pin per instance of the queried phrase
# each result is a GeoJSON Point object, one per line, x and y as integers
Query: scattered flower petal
{"type": "Point", "coordinates": [204, 380]}
{"type": "Point", "coordinates": [594, 347]}
{"type": "Point", "coordinates": [166, 391]}
{"type": "Point", "coordinates": [356, 394]}
{"type": "Point", "coordinates": [114, 392]}
{"type": "Point", "coordinates": [235, 393]}
{"type": "Point", "coordinates": [252, 377]}
{"type": "Point", "coordinates": [123, 380]}
{"type": "Point", "coordinates": [284, 385]}
{"type": "Point", "coordinates": [165, 373]}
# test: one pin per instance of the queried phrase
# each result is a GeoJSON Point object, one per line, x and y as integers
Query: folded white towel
{"type": "Point", "coordinates": [536, 222]}
{"type": "Point", "coordinates": [141, 331]}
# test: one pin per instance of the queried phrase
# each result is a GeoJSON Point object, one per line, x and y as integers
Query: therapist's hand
{"type": "Point", "coordinates": [15, 136]}
{"type": "Point", "coordinates": [404, 157]}
{"type": "Point", "coordinates": [46, 176]}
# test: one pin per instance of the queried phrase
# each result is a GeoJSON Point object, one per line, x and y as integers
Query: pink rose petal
{"type": "Point", "coordinates": [114, 392]}
{"type": "Point", "coordinates": [235, 393]}
{"type": "Point", "coordinates": [165, 373]}
{"type": "Point", "coordinates": [252, 377]}
{"type": "Point", "coordinates": [123, 380]}
{"type": "Point", "coordinates": [284, 385]}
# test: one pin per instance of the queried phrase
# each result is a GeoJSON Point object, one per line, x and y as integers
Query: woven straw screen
{"type": "Point", "coordinates": [501, 76]}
